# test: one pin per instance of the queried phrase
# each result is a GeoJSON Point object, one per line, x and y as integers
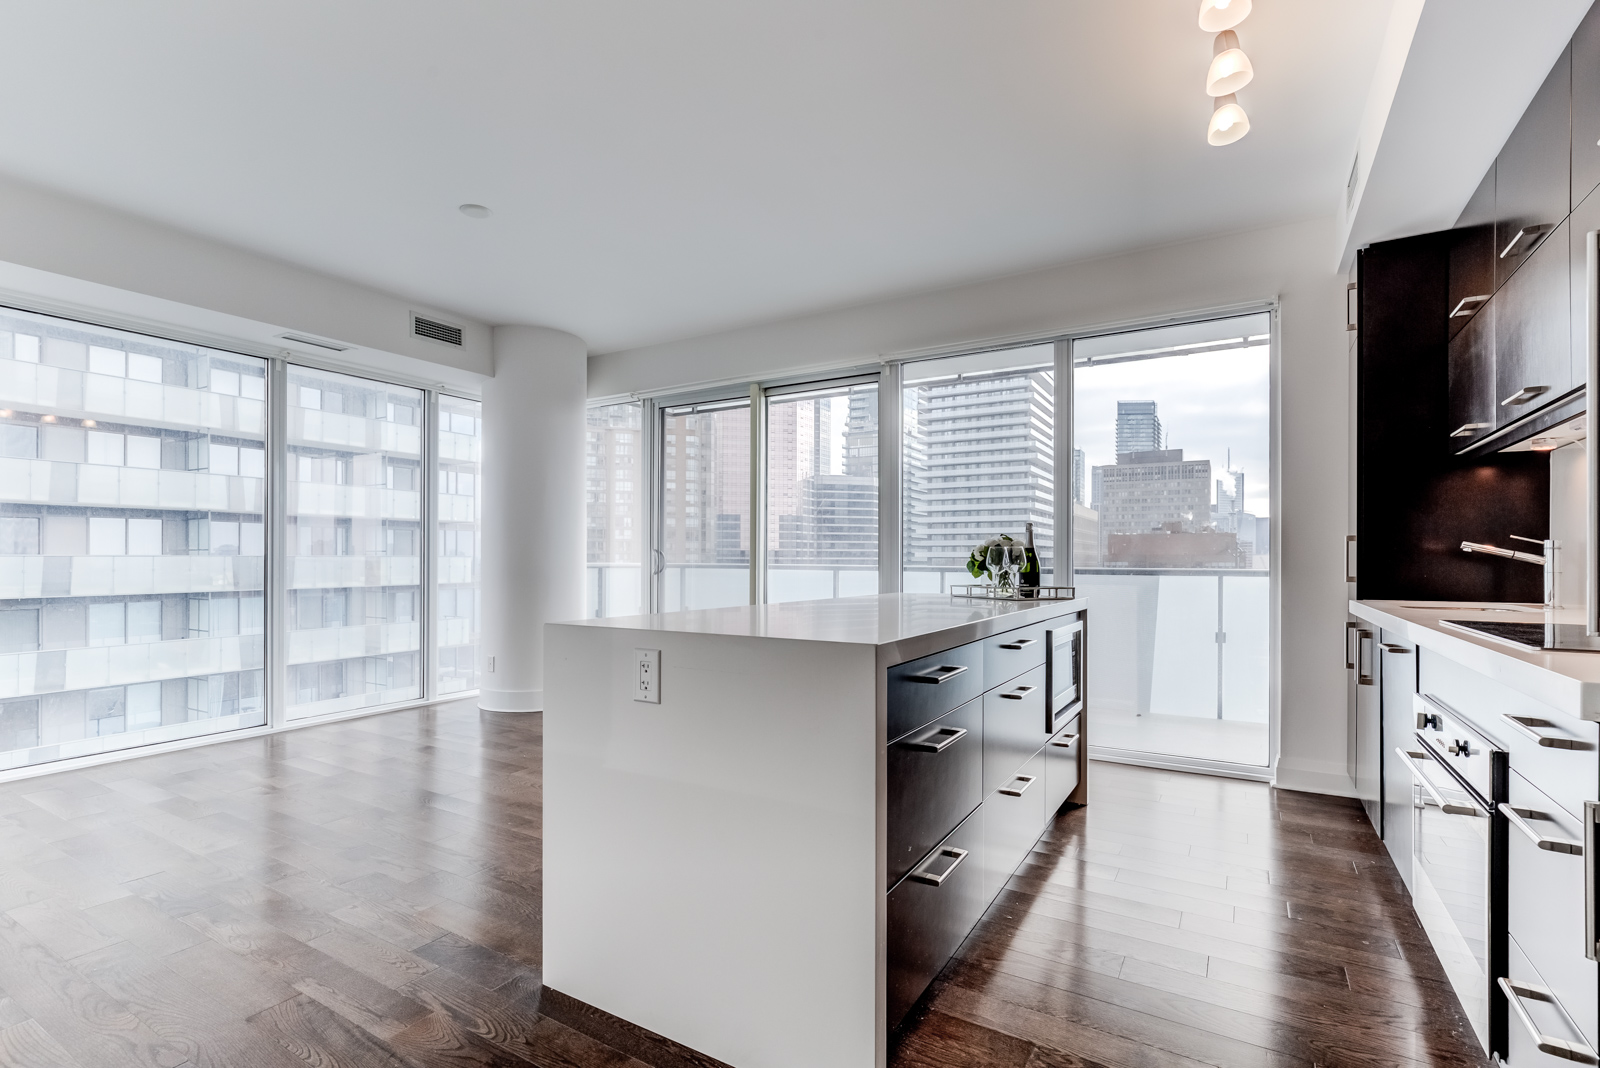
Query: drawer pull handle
{"type": "Point", "coordinates": [1519, 818]}
{"type": "Point", "coordinates": [941, 674]}
{"type": "Point", "coordinates": [939, 740]}
{"type": "Point", "coordinates": [1591, 815]}
{"type": "Point", "coordinates": [1020, 643]}
{"type": "Point", "coordinates": [1019, 693]}
{"type": "Point", "coordinates": [1556, 1047]}
{"type": "Point", "coordinates": [922, 875]}
{"type": "Point", "coordinates": [1529, 232]}
{"type": "Point", "coordinates": [1018, 791]}
{"type": "Point", "coordinates": [1528, 726]}
{"type": "Point", "coordinates": [1524, 395]}
{"type": "Point", "coordinates": [1065, 741]}
{"type": "Point", "coordinates": [1410, 761]}
{"type": "Point", "coordinates": [1466, 430]}
{"type": "Point", "coordinates": [1462, 309]}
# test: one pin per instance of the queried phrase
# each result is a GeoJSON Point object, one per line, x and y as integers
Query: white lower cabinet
{"type": "Point", "coordinates": [1545, 906]}
{"type": "Point", "coordinates": [1541, 1029]}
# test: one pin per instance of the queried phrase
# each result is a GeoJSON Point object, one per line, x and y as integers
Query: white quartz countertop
{"type": "Point", "coordinates": [1567, 681]}
{"type": "Point", "coordinates": [887, 621]}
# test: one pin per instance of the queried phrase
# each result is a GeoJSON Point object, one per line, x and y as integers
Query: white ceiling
{"type": "Point", "coordinates": [659, 170]}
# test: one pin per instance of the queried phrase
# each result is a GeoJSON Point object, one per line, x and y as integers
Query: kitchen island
{"type": "Point", "coordinates": [766, 828]}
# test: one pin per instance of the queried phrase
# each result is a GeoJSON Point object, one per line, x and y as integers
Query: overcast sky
{"type": "Point", "coordinates": [1208, 403]}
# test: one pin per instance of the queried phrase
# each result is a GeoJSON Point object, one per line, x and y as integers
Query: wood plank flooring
{"type": "Point", "coordinates": [368, 894]}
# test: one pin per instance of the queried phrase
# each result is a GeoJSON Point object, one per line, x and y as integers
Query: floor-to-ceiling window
{"type": "Point", "coordinates": [354, 541]}
{"type": "Point", "coordinates": [822, 492]}
{"type": "Point", "coordinates": [1171, 542]}
{"type": "Point", "coordinates": [705, 505]}
{"type": "Point", "coordinates": [977, 460]}
{"type": "Point", "coordinates": [131, 552]}
{"type": "Point", "coordinates": [459, 545]}
{"type": "Point", "coordinates": [616, 532]}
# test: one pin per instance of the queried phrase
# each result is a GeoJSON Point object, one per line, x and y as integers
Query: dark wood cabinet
{"type": "Point", "coordinates": [1472, 254]}
{"type": "Point", "coordinates": [1585, 219]}
{"type": "Point", "coordinates": [1472, 399]}
{"type": "Point", "coordinates": [1586, 107]}
{"type": "Point", "coordinates": [1533, 174]}
{"type": "Point", "coordinates": [1533, 332]}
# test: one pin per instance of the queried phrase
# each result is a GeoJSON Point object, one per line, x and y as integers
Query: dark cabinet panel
{"type": "Point", "coordinates": [1013, 726]}
{"type": "Point", "coordinates": [1533, 174]}
{"type": "Point", "coordinates": [1005, 656]}
{"type": "Point", "coordinates": [920, 691]}
{"type": "Point", "coordinates": [1533, 332]}
{"type": "Point", "coordinates": [1585, 219]}
{"type": "Point", "coordinates": [935, 780]}
{"type": "Point", "coordinates": [1472, 255]}
{"type": "Point", "coordinates": [1586, 107]}
{"type": "Point", "coordinates": [930, 914]}
{"type": "Point", "coordinates": [1472, 399]}
{"type": "Point", "coordinates": [1061, 771]}
{"type": "Point", "coordinates": [1013, 818]}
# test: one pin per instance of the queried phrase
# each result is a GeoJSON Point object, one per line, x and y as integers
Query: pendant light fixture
{"type": "Point", "coordinates": [1228, 121]}
{"type": "Point", "coordinates": [1230, 67]}
{"type": "Point", "coordinates": [1219, 15]}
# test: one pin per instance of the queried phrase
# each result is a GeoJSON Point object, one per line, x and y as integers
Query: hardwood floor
{"type": "Point", "coordinates": [368, 894]}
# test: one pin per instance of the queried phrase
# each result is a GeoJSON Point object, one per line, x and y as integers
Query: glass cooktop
{"type": "Point", "coordinates": [1556, 637]}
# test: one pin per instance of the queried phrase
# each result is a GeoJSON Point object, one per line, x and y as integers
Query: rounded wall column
{"type": "Point", "coordinates": [533, 507]}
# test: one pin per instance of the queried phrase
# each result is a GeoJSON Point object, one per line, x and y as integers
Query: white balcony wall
{"type": "Point", "coordinates": [454, 631]}
{"type": "Point", "coordinates": [359, 502]}
{"type": "Point", "coordinates": [458, 570]}
{"type": "Point", "coordinates": [461, 448]}
{"type": "Point", "coordinates": [131, 576]}
{"type": "Point", "coordinates": [57, 482]}
{"type": "Point", "coordinates": [340, 572]}
{"type": "Point", "coordinates": [321, 644]}
{"type": "Point", "coordinates": [340, 431]}
{"type": "Point", "coordinates": [29, 674]}
{"type": "Point", "coordinates": [457, 508]}
{"type": "Point", "coordinates": [61, 390]}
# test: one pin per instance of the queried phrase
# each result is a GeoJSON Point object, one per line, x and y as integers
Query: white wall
{"type": "Point", "coordinates": [59, 254]}
{"type": "Point", "coordinates": [1291, 263]}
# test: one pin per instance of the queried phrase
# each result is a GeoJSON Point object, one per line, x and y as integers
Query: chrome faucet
{"type": "Point", "coordinates": [1547, 561]}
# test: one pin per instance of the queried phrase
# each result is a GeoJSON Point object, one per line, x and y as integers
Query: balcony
{"type": "Point", "coordinates": [344, 572]}
{"type": "Point", "coordinates": [126, 576]}
{"type": "Point", "coordinates": [358, 502]}
{"type": "Point", "coordinates": [59, 670]}
{"type": "Point", "coordinates": [57, 482]}
{"type": "Point", "coordinates": [62, 391]}
{"type": "Point", "coordinates": [307, 426]}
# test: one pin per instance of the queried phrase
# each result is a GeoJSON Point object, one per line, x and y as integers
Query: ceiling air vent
{"type": "Point", "coordinates": [434, 330]}
{"type": "Point", "coordinates": [316, 343]}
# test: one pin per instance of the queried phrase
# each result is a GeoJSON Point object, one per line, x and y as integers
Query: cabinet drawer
{"type": "Point", "coordinates": [935, 781]}
{"type": "Point", "coordinates": [920, 691]}
{"type": "Point", "coordinates": [1545, 899]}
{"type": "Point", "coordinates": [1013, 819]}
{"type": "Point", "coordinates": [1005, 656]}
{"type": "Point", "coordinates": [1013, 727]}
{"type": "Point", "coordinates": [1568, 775]}
{"type": "Point", "coordinates": [931, 912]}
{"type": "Point", "coordinates": [1061, 768]}
{"type": "Point", "coordinates": [1536, 1017]}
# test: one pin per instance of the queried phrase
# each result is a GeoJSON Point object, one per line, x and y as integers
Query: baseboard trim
{"type": "Point", "coordinates": [629, 1038]}
{"type": "Point", "coordinates": [511, 700]}
{"type": "Point", "coordinates": [1220, 768]}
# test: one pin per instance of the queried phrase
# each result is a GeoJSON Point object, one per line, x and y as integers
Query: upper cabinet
{"type": "Point", "coordinates": [1472, 255]}
{"type": "Point", "coordinates": [1533, 174]}
{"type": "Point", "coordinates": [1533, 332]}
{"type": "Point", "coordinates": [1586, 107]}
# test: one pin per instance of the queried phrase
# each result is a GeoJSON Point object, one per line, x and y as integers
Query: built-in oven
{"type": "Point", "coordinates": [1459, 858]}
{"type": "Point", "coordinates": [1064, 680]}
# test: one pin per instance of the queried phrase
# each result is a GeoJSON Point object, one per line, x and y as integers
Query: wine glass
{"type": "Point", "coordinates": [996, 559]}
{"type": "Point", "coordinates": [1014, 561]}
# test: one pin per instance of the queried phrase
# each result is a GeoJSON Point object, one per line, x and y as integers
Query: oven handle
{"type": "Point", "coordinates": [1556, 1047]}
{"type": "Point", "coordinates": [1410, 761]}
{"type": "Point", "coordinates": [1591, 819]}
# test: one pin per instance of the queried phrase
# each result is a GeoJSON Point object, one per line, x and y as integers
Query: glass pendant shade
{"type": "Point", "coordinates": [1230, 67]}
{"type": "Point", "coordinates": [1228, 121]}
{"type": "Point", "coordinates": [1219, 15]}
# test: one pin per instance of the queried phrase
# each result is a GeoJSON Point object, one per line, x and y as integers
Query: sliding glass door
{"type": "Point", "coordinates": [705, 505]}
{"type": "Point", "coordinates": [822, 492]}
{"type": "Point", "coordinates": [977, 460]}
{"type": "Point", "coordinates": [1172, 522]}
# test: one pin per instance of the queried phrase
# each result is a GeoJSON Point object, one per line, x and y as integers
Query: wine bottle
{"type": "Point", "coordinates": [1028, 580]}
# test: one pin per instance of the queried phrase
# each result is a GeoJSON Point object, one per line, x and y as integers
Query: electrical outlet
{"type": "Point", "coordinates": [647, 676]}
{"type": "Point", "coordinates": [491, 665]}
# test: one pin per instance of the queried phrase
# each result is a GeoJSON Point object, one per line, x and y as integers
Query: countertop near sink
{"type": "Point", "coordinates": [1566, 681]}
